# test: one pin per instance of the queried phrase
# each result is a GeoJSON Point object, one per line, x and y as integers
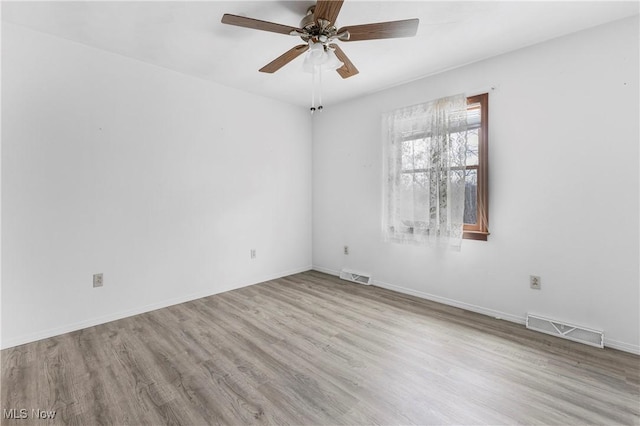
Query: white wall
{"type": "Point", "coordinates": [161, 181]}
{"type": "Point", "coordinates": [164, 183]}
{"type": "Point", "coordinates": [563, 187]}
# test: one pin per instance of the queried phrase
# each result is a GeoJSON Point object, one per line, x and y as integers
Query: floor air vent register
{"type": "Point", "coordinates": [355, 277]}
{"type": "Point", "coordinates": [566, 331]}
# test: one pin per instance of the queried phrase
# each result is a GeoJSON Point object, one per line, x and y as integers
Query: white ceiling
{"type": "Point", "coordinates": [188, 37]}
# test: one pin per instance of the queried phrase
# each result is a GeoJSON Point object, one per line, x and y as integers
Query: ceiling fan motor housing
{"type": "Point", "coordinates": [317, 30]}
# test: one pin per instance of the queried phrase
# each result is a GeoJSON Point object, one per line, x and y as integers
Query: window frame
{"type": "Point", "coordinates": [480, 230]}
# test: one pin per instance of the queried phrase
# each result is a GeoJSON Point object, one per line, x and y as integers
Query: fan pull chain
{"type": "Point", "coordinates": [320, 89]}
{"type": "Point", "coordinates": [313, 90]}
{"type": "Point", "coordinates": [316, 84]}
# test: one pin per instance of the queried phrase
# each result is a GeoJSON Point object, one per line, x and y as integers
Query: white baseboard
{"type": "Point", "coordinates": [621, 346]}
{"type": "Point", "coordinates": [21, 340]}
{"type": "Point", "coordinates": [613, 344]}
{"type": "Point", "coordinates": [451, 302]}
{"type": "Point", "coordinates": [326, 270]}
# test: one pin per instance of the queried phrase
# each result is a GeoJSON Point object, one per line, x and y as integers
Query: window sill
{"type": "Point", "coordinates": [475, 235]}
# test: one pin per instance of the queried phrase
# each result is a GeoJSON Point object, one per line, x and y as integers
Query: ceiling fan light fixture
{"type": "Point", "coordinates": [315, 49]}
{"type": "Point", "coordinates": [314, 57]}
{"type": "Point", "coordinates": [320, 57]}
{"type": "Point", "coordinates": [333, 63]}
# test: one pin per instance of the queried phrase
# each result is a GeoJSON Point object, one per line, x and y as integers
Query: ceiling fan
{"type": "Point", "coordinates": [318, 31]}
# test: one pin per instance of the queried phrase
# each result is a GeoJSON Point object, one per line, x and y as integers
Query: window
{"type": "Point", "coordinates": [436, 171]}
{"type": "Point", "coordinates": [476, 209]}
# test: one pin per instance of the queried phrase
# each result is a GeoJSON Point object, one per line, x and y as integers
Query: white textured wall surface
{"type": "Point", "coordinates": [161, 181]}
{"type": "Point", "coordinates": [564, 138]}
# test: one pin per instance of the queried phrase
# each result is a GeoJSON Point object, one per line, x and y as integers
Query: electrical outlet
{"type": "Point", "coordinates": [253, 253]}
{"type": "Point", "coordinates": [534, 282]}
{"type": "Point", "coordinates": [97, 280]}
{"type": "Point", "coordinates": [346, 249]}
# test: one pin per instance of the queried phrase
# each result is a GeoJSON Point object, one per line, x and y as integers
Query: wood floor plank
{"type": "Point", "coordinates": [313, 349]}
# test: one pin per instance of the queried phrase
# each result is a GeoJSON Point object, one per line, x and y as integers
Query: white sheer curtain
{"type": "Point", "coordinates": [424, 178]}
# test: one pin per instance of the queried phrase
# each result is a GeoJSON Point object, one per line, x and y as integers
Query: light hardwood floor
{"type": "Point", "coordinates": [312, 349]}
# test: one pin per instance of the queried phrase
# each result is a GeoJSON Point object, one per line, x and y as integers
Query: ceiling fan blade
{"type": "Point", "coordinates": [257, 24]}
{"type": "Point", "coordinates": [391, 29]}
{"type": "Point", "coordinates": [328, 10]}
{"type": "Point", "coordinates": [348, 69]}
{"type": "Point", "coordinates": [285, 58]}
